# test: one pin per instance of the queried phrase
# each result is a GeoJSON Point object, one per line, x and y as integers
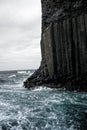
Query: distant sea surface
{"type": "Point", "coordinates": [40, 108]}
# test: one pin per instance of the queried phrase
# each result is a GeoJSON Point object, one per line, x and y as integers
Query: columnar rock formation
{"type": "Point", "coordinates": [63, 45]}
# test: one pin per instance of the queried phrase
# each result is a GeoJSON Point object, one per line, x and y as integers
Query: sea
{"type": "Point", "coordinates": [40, 108]}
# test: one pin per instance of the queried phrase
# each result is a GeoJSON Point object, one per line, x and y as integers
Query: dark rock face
{"type": "Point", "coordinates": [63, 45]}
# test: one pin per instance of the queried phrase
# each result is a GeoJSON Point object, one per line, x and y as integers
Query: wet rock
{"type": "Point", "coordinates": [63, 45]}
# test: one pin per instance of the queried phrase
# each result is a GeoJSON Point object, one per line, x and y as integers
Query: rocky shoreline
{"type": "Point", "coordinates": [63, 46]}
{"type": "Point", "coordinates": [71, 84]}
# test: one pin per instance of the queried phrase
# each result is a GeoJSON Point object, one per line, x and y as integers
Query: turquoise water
{"type": "Point", "coordinates": [41, 108]}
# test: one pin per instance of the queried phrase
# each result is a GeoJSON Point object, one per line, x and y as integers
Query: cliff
{"type": "Point", "coordinates": [63, 46]}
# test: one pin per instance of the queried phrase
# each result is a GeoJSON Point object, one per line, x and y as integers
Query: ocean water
{"type": "Point", "coordinates": [40, 108]}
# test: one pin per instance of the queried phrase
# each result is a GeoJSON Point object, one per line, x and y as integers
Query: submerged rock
{"type": "Point", "coordinates": [63, 46]}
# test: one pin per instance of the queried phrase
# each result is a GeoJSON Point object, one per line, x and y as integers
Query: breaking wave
{"type": "Point", "coordinates": [12, 76]}
{"type": "Point", "coordinates": [21, 72]}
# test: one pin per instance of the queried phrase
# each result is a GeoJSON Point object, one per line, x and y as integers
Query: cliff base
{"type": "Point", "coordinates": [70, 84]}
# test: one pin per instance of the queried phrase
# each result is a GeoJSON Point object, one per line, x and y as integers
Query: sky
{"type": "Point", "coordinates": [20, 33]}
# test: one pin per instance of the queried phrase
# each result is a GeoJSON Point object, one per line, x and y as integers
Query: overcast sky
{"type": "Point", "coordinates": [20, 30]}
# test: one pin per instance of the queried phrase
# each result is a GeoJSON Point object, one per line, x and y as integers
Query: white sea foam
{"type": "Point", "coordinates": [21, 72]}
{"type": "Point", "coordinates": [12, 76]}
{"type": "Point", "coordinates": [41, 88]}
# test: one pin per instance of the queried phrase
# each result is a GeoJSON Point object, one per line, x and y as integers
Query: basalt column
{"type": "Point", "coordinates": [63, 43]}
